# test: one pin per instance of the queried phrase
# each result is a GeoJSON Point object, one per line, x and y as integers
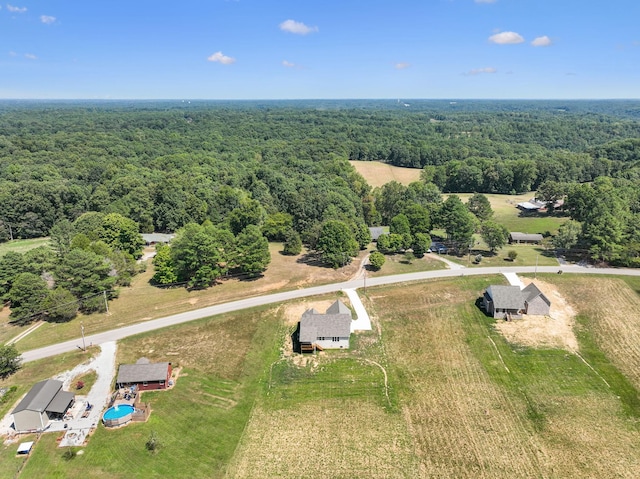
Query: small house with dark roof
{"type": "Point", "coordinates": [510, 302]}
{"type": "Point", "coordinates": [524, 238]}
{"type": "Point", "coordinates": [144, 375]}
{"type": "Point", "coordinates": [45, 401]}
{"type": "Point", "coordinates": [330, 330]}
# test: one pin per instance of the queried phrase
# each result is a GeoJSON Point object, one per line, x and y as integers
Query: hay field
{"type": "Point", "coordinates": [377, 173]}
{"type": "Point", "coordinates": [478, 406]}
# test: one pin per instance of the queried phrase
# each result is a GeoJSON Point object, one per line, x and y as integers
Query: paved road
{"type": "Point", "coordinates": [120, 333]}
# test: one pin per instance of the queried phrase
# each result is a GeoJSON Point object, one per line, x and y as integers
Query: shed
{"type": "Point", "coordinates": [144, 375]}
{"type": "Point", "coordinates": [25, 447]}
{"type": "Point", "coordinates": [330, 330]}
{"type": "Point", "coordinates": [45, 401]}
{"type": "Point", "coordinates": [527, 238]}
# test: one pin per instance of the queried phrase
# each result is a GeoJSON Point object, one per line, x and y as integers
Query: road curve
{"type": "Point", "coordinates": [120, 333]}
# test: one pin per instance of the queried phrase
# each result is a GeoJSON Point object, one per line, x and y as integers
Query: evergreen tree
{"type": "Point", "coordinates": [27, 295]}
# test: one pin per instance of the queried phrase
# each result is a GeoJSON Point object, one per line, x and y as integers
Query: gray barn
{"type": "Point", "coordinates": [45, 401]}
{"type": "Point", "coordinates": [326, 331]}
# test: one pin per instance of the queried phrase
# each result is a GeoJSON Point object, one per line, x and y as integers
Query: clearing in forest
{"type": "Point", "coordinates": [377, 173]}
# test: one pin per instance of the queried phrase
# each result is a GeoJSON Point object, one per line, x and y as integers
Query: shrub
{"type": "Point", "coordinates": [478, 258]}
{"type": "Point", "coordinates": [68, 454]}
{"type": "Point", "coordinates": [512, 255]}
{"type": "Point", "coordinates": [79, 384]}
{"type": "Point", "coordinates": [153, 444]}
{"type": "Point", "coordinates": [376, 260]}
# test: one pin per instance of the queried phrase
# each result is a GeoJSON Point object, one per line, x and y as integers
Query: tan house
{"type": "Point", "coordinates": [45, 401]}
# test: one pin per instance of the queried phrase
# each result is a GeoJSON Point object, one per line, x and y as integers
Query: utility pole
{"type": "Point", "coordinates": [535, 274]}
{"type": "Point", "coordinates": [364, 270]}
{"type": "Point", "coordinates": [10, 232]}
{"type": "Point", "coordinates": [84, 346]}
{"type": "Point", "coordinates": [106, 304]}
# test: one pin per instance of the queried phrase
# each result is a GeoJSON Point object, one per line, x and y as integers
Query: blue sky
{"type": "Point", "coordinates": [285, 49]}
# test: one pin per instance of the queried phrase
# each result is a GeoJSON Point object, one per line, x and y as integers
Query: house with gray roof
{"type": "Point", "coordinates": [524, 238]}
{"type": "Point", "coordinates": [535, 301]}
{"type": "Point", "coordinates": [44, 402]}
{"type": "Point", "coordinates": [153, 238]}
{"type": "Point", "coordinates": [330, 330]}
{"type": "Point", "coordinates": [144, 375]}
{"type": "Point", "coordinates": [510, 302]}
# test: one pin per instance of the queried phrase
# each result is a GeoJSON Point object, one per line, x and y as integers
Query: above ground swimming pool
{"type": "Point", "coordinates": [116, 415]}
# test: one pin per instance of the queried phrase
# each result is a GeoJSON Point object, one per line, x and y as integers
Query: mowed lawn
{"type": "Point", "coordinates": [199, 422]}
{"type": "Point", "coordinates": [433, 391]}
{"type": "Point", "coordinates": [505, 212]}
{"type": "Point", "coordinates": [22, 246]}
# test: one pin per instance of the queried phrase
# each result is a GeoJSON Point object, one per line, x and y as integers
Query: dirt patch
{"type": "Point", "coordinates": [291, 313]}
{"type": "Point", "coordinates": [555, 330]}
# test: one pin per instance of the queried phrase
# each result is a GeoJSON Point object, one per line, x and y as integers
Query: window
{"type": "Point", "coordinates": [335, 339]}
{"type": "Point", "coordinates": [162, 383]}
{"type": "Point", "coordinates": [144, 383]}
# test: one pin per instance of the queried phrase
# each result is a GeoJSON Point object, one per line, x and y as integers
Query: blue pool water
{"type": "Point", "coordinates": [116, 412]}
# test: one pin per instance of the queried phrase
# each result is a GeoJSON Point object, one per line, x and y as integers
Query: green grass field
{"type": "Point", "coordinates": [434, 391]}
{"type": "Point", "coordinates": [22, 246]}
{"type": "Point", "coordinates": [505, 212]}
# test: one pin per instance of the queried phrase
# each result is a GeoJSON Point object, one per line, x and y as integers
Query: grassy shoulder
{"type": "Point", "coordinates": [143, 301]}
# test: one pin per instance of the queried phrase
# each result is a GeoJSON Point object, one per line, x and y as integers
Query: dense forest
{"type": "Point", "coordinates": [165, 164]}
{"type": "Point", "coordinates": [227, 176]}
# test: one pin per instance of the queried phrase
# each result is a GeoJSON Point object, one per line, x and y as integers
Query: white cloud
{"type": "Point", "coordinates": [298, 28]}
{"type": "Point", "coordinates": [485, 1]}
{"type": "Point", "coordinates": [478, 71]}
{"type": "Point", "coordinates": [221, 58]}
{"type": "Point", "coordinates": [30, 56]}
{"type": "Point", "coordinates": [543, 41]}
{"type": "Point", "coordinates": [13, 54]}
{"type": "Point", "coordinates": [48, 19]}
{"type": "Point", "coordinates": [14, 9]}
{"type": "Point", "coordinates": [287, 64]}
{"type": "Point", "coordinates": [506, 38]}
{"type": "Point", "coordinates": [402, 65]}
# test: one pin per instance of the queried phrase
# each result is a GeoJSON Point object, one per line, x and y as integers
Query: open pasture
{"type": "Point", "coordinates": [434, 391]}
{"type": "Point", "coordinates": [377, 173]}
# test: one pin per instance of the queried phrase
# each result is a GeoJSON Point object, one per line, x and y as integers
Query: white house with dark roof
{"type": "Point", "coordinates": [511, 302]}
{"type": "Point", "coordinates": [330, 330]}
{"type": "Point", "coordinates": [45, 401]}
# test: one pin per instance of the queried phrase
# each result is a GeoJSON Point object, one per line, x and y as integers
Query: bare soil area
{"type": "Point", "coordinates": [553, 331]}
